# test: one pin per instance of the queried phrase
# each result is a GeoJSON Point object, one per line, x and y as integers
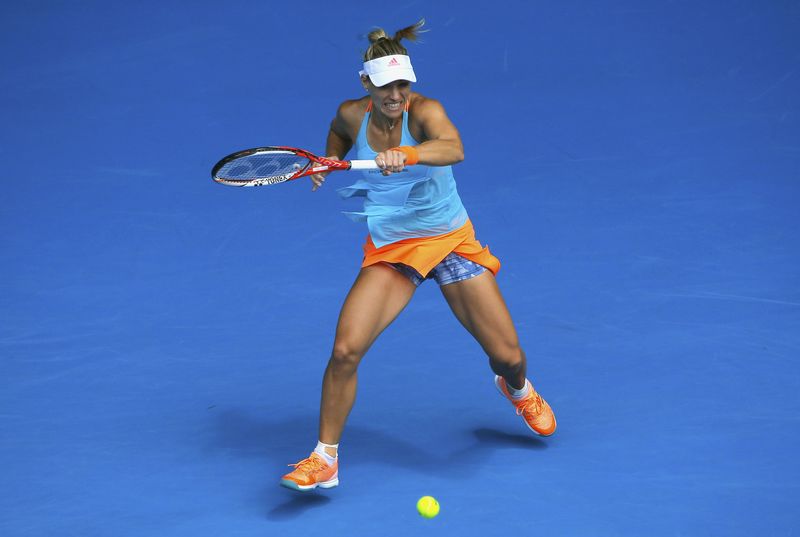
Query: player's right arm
{"type": "Point", "coordinates": [340, 139]}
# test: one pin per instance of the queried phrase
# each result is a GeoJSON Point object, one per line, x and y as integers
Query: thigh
{"type": "Point", "coordinates": [377, 297]}
{"type": "Point", "coordinates": [479, 306]}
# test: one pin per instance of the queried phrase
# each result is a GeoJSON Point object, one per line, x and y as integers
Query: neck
{"type": "Point", "coordinates": [384, 123]}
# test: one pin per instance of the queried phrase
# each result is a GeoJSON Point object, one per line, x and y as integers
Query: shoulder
{"type": "Point", "coordinates": [351, 111]}
{"type": "Point", "coordinates": [348, 118]}
{"type": "Point", "coordinates": [428, 119]}
{"type": "Point", "coordinates": [426, 110]}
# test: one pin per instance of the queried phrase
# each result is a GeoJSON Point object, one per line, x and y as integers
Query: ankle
{"type": "Point", "coordinates": [518, 393]}
{"type": "Point", "coordinates": [329, 451]}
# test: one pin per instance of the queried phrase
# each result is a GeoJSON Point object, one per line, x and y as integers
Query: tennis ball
{"type": "Point", "coordinates": [428, 507]}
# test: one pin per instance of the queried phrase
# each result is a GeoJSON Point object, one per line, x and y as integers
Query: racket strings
{"type": "Point", "coordinates": [263, 166]}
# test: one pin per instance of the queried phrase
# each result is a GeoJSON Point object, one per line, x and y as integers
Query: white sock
{"type": "Point", "coordinates": [320, 450]}
{"type": "Point", "coordinates": [518, 394]}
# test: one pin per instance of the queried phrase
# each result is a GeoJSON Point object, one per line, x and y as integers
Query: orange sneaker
{"type": "Point", "coordinates": [311, 473]}
{"type": "Point", "coordinates": [534, 410]}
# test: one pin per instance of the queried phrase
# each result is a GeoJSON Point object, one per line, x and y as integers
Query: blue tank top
{"type": "Point", "coordinates": [420, 201]}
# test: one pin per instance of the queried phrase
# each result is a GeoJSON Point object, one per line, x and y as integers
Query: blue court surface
{"type": "Point", "coordinates": [635, 165]}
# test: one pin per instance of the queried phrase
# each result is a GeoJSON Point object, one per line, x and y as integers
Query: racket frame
{"type": "Point", "coordinates": [315, 165]}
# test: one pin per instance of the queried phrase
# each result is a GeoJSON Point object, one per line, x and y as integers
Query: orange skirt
{"type": "Point", "coordinates": [424, 253]}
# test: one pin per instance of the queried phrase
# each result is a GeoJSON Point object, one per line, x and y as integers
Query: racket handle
{"type": "Point", "coordinates": [363, 165]}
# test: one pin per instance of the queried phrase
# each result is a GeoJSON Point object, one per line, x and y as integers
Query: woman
{"type": "Point", "coordinates": [417, 226]}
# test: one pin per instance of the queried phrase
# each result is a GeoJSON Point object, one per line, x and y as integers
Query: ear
{"type": "Point", "coordinates": [366, 82]}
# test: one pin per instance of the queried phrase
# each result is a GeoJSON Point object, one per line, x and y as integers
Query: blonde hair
{"type": "Point", "coordinates": [382, 45]}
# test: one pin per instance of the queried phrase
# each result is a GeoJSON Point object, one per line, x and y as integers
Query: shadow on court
{"type": "Point", "coordinates": [489, 439]}
{"type": "Point", "coordinates": [296, 504]}
{"type": "Point", "coordinates": [450, 466]}
{"type": "Point", "coordinates": [240, 433]}
{"type": "Point", "coordinates": [287, 440]}
{"type": "Point", "coordinates": [275, 444]}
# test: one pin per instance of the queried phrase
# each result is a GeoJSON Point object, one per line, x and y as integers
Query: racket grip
{"type": "Point", "coordinates": [363, 165]}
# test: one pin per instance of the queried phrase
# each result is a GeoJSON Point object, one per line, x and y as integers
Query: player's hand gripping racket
{"type": "Point", "coordinates": [273, 165]}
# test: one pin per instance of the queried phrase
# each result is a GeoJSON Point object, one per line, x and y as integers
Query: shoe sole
{"type": "Point", "coordinates": [289, 484]}
{"type": "Point", "coordinates": [534, 431]}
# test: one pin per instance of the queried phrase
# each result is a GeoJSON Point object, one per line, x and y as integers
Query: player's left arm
{"type": "Point", "coordinates": [442, 145]}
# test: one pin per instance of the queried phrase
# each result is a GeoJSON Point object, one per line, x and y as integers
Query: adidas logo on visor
{"type": "Point", "coordinates": [393, 63]}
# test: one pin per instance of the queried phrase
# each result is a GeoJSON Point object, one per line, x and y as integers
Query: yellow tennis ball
{"type": "Point", "coordinates": [428, 507]}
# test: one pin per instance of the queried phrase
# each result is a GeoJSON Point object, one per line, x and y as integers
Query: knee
{"type": "Point", "coordinates": [507, 357]}
{"type": "Point", "coordinates": [345, 358]}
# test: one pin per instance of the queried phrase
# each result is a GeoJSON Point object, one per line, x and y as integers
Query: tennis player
{"type": "Point", "coordinates": [418, 230]}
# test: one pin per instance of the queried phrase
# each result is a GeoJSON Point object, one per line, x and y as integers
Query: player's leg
{"type": "Point", "coordinates": [377, 297]}
{"type": "Point", "coordinates": [479, 306]}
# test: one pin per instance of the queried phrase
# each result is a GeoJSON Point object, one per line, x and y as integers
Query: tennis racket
{"type": "Point", "coordinates": [272, 165]}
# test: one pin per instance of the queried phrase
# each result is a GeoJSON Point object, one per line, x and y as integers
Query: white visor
{"type": "Point", "coordinates": [388, 69]}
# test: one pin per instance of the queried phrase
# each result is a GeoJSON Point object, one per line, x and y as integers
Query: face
{"type": "Point", "coordinates": [389, 99]}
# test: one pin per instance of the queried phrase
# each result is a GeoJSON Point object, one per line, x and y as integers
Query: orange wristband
{"type": "Point", "coordinates": [412, 157]}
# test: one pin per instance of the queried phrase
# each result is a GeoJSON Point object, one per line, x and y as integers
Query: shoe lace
{"type": "Point", "coordinates": [309, 465]}
{"type": "Point", "coordinates": [533, 405]}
